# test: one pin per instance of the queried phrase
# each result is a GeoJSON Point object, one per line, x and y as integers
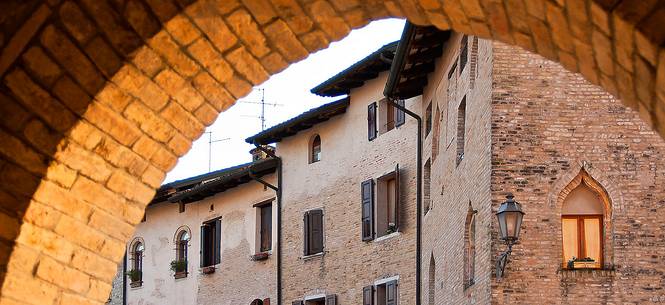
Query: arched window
{"type": "Point", "coordinates": [432, 280]}
{"type": "Point", "coordinates": [136, 273]}
{"type": "Point", "coordinates": [582, 228]}
{"type": "Point", "coordinates": [181, 241]}
{"type": "Point", "coordinates": [315, 149]}
{"type": "Point", "coordinates": [470, 247]}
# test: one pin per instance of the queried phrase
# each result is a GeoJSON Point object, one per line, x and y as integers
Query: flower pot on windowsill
{"type": "Point", "coordinates": [260, 256]}
{"type": "Point", "coordinates": [181, 274]}
{"type": "Point", "coordinates": [135, 284]}
{"type": "Point", "coordinates": [208, 270]}
{"type": "Point", "coordinates": [584, 265]}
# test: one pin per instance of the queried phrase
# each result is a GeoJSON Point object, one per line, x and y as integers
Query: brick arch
{"type": "Point", "coordinates": [99, 99]}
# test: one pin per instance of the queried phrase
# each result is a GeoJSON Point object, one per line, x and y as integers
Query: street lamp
{"type": "Point", "coordinates": [510, 217]}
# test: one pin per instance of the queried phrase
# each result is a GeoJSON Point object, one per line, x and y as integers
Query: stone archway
{"type": "Point", "coordinates": [98, 99]}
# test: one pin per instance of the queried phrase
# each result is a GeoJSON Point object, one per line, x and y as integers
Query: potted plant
{"type": "Point", "coordinates": [135, 277]}
{"type": "Point", "coordinates": [581, 263]}
{"type": "Point", "coordinates": [208, 269]}
{"type": "Point", "coordinates": [260, 256]}
{"type": "Point", "coordinates": [392, 228]}
{"type": "Point", "coordinates": [179, 267]}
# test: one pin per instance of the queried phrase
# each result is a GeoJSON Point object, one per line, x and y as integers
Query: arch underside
{"type": "Point", "coordinates": [100, 98]}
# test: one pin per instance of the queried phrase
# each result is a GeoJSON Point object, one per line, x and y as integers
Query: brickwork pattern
{"type": "Point", "coordinates": [539, 147]}
{"type": "Point", "coordinates": [99, 98]}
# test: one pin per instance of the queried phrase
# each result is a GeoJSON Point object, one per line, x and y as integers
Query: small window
{"type": "Point", "coordinates": [381, 294]}
{"type": "Point", "coordinates": [313, 231]}
{"type": "Point", "coordinates": [211, 232]}
{"type": "Point", "coordinates": [265, 230]}
{"type": "Point", "coordinates": [315, 149]}
{"type": "Point", "coordinates": [389, 116]}
{"type": "Point", "coordinates": [136, 273]}
{"type": "Point", "coordinates": [463, 53]}
{"type": "Point", "coordinates": [432, 281]}
{"type": "Point", "coordinates": [428, 119]}
{"type": "Point", "coordinates": [582, 228]}
{"type": "Point", "coordinates": [427, 173]}
{"type": "Point", "coordinates": [470, 247]}
{"type": "Point", "coordinates": [371, 121]}
{"type": "Point", "coordinates": [179, 265]}
{"type": "Point", "coordinates": [461, 130]}
{"type": "Point", "coordinates": [381, 216]}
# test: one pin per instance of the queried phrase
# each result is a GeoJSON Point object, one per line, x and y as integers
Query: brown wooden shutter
{"type": "Point", "coordinates": [218, 240]}
{"type": "Point", "coordinates": [331, 299]}
{"type": "Point", "coordinates": [266, 227]}
{"type": "Point", "coordinates": [371, 121]}
{"type": "Point", "coordinates": [266, 301]}
{"type": "Point", "coordinates": [397, 201]}
{"type": "Point", "coordinates": [400, 118]}
{"type": "Point", "coordinates": [391, 293]}
{"type": "Point", "coordinates": [368, 298]}
{"type": "Point", "coordinates": [297, 302]}
{"type": "Point", "coordinates": [367, 206]}
{"type": "Point", "coordinates": [306, 234]}
{"type": "Point", "coordinates": [316, 231]}
{"type": "Point", "coordinates": [204, 249]}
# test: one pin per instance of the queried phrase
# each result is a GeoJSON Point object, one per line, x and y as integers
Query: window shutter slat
{"type": "Point", "coordinates": [203, 248]}
{"type": "Point", "coordinates": [331, 299]}
{"type": "Point", "coordinates": [397, 201]}
{"type": "Point", "coordinates": [400, 117]}
{"type": "Point", "coordinates": [218, 240]}
{"type": "Point", "coordinates": [368, 298]}
{"type": "Point", "coordinates": [306, 234]}
{"type": "Point", "coordinates": [371, 121]}
{"type": "Point", "coordinates": [367, 206]}
{"type": "Point", "coordinates": [391, 293]}
{"type": "Point", "coordinates": [316, 229]}
{"type": "Point", "coordinates": [297, 302]}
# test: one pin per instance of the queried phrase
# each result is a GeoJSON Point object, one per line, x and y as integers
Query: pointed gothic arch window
{"type": "Point", "coordinates": [582, 225]}
{"type": "Point", "coordinates": [432, 280]}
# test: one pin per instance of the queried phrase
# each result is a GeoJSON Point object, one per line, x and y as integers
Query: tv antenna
{"type": "Point", "coordinates": [263, 104]}
{"type": "Point", "coordinates": [210, 142]}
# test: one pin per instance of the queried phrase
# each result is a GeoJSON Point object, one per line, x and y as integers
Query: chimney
{"type": "Point", "coordinates": [258, 154]}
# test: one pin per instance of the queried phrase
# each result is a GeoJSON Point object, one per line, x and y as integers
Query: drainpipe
{"type": "Point", "coordinates": [419, 195]}
{"type": "Point", "coordinates": [124, 279]}
{"type": "Point", "coordinates": [278, 193]}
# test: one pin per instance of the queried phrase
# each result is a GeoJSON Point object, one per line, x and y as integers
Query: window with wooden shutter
{"type": "Point", "coordinates": [331, 299]}
{"type": "Point", "coordinates": [218, 241]}
{"type": "Point", "coordinates": [386, 218]}
{"type": "Point", "coordinates": [266, 227]}
{"type": "Point", "coordinates": [368, 295]}
{"type": "Point", "coordinates": [211, 234]}
{"type": "Point", "coordinates": [313, 232]}
{"type": "Point", "coordinates": [391, 293]}
{"type": "Point", "coordinates": [400, 117]}
{"type": "Point", "coordinates": [367, 206]}
{"type": "Point", "coordinates": [371, 121]}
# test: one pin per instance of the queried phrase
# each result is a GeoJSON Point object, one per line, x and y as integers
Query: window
{"type": "Point", "coordinates": [136, 273]}
{"type": "Point", "coordinates": [473, 65]}
{"type": "Point", "coordinates": [470, 247]}
{"type": "Point", "coordinates": [315, 149]}
{"type": "Point", "coordinates": [380, 294]}
{"type": "Point", "coordinates": [371, 121]}
{"type": "Point", "coordinates": [427, 172]}
{"type": "Point", "coordinates": [330, 299]}
{"type": "Point", "coordinates": [265, 227]}
{"type": "Point", "coordinates": [211, 236]}
{"type": "Point", "coordinates": [437, 132]}
{"type": "Point", "coordinates": [432, 280]}
{"type": "Point", "coordinates": [463, 53]}
{"type": "Point", "coordinates": [313, 224]}
{"type": "Point", "coordinates": [380, 215]}
{"type": "Point", "coordinates": [461, 129]}
{"type": "Point", "coordinates": [428, 119]}
{"type": "Point", "coordinates": [179, 266]}
{"type": "Point", "coordinates": [582, 227]}
{"type": "Point", "coordinates": [389, 116]}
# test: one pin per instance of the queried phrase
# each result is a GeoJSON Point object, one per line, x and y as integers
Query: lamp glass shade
{"type": "Point", "coordinates": [510, 219]}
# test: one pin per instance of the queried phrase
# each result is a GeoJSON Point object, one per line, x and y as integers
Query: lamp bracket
{"type": "Point", "coordinates": [502, 261]}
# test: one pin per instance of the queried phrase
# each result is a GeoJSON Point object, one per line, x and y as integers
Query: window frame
{"type": "Point", "coordinates": [307, 243]}
{"type": "Point", "coordinates": [313, 155]}
{"type": "Point", "coordinates": [262, 231]}
{"type": "Point", "coordinates": [215, 252]}
{"type": "Point", "coordinates": [581, 238]}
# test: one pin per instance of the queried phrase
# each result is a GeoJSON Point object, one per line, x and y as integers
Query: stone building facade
{"type": "Point", "coordinates": [496, 120]}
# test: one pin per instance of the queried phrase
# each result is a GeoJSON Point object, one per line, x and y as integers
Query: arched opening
{"type": "Point", "coordinates": [136, 272]}
{"type": "Point", "coordinates": [583, 224]}
{"type": "Point", "coordinates": [179, 265]}
{"type": "Point", "coordinates": [432, 281]}
{"type": "Point", "coordinates": [469, 248]}
{"type": "Point", "coordinates": [315, 149]}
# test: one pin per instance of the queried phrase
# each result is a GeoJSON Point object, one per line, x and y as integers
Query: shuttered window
{"type": "Point", "coordinates": [211, 233]}
{"type": "Point", "coordinates": [371, 122]}
{"type": "Point", "coordinates": [368, 295]}
{"type": "Point", "coordinates": [381, 294]}
{"type": "Point", "coordinates": [391, 293]}
{"type": "Point", "coordinates": [266, 227]}
{"type": "Point", "coordinates": [331, 299]}
{"type": "Point", "coordinates": [399, 114]}
{"type": "Point", "coordinates": [313, 232]}
{"type": "Point", "coordinates": [367, 202]}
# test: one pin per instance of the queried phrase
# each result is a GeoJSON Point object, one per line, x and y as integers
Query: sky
{"type": "Point", "coordinates": [289, 93]}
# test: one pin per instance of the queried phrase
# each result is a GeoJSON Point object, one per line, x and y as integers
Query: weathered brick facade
{"type": "Point", "coordinates": [101, 97]}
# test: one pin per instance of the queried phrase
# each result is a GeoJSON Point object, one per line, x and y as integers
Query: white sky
{"type": "Point", "coordinates": [290, 89]}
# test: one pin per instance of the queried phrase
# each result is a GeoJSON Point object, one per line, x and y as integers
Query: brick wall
{"type": "Point", "coordinates": [457, 188]}
{"type": "Point", "coordinates": [547, 125]}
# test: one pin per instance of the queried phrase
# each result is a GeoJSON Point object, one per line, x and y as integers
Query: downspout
{"type": "Point", "coordinates": [419, 195]}
{"type": "Point", "coordinates": [278, 193]}
{"type": "Point", "coordinates": [124, 279]}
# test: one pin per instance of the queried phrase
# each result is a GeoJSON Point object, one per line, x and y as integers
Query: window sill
{"type": "Point", "coordinates": [180, 275]}
{"type": "Point", "coordinates": [208, 269]}
{"type": "Point", "coordinates": [136, 284]}
{"type": "Point", "coordinates": [586, 273]}
{"type": "Point", "coordinates": [387, 236]}
{"type": "Point", "coordinates": [260, 256]}
{"type": "Point", "coordinates": [312, 256]}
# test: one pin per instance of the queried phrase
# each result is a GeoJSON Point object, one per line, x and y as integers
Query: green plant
{"type": "Point", "coordinates": [178, 265]}
{"type": "Point", "coordinates": [392, 228]}
{"type": "Point", "coordinates": [571, 263]}
{"type": "Point", "coordinates": [134, 275]}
